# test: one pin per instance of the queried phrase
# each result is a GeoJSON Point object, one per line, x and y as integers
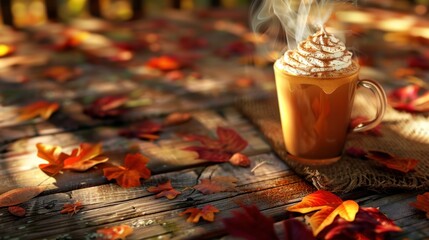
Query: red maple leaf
{"type": "Point", "coordinates": [253, 225]}
{"type": "Point", "coordinates": [376, 131]}
{"type": "Point", "coordinates": [222, 149]}
{"type": "Point", "coordinates": [164, 190]}
{"type": "Point", "coordinates": [369, 223]}
{"type": "Point", "coordinates": [71, 208]}
{"type": "Point", "coordinates": [108, 106]}
{"type": "Point", "coordinates": [403, 165]}
{"type": "Point", "coordinates": [356, 152]}
{"type": "Point", "coordinates": [146, 130]}
{"type": "Point", "coordinates": [422, 203]}
{"type": "Point", "coordinates": [411, 98]}
{"type": "Point", "coordinates": [207, 213]}
{"type": "Point", "coordinates": [129, 175]}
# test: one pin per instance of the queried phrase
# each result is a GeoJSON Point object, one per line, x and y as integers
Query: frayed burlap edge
{"type": "Point", "coordinates": [404, 135]}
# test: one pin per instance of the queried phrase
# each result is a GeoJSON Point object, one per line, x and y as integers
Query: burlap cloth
{"type": "Point", "coordinates": [403, 135]}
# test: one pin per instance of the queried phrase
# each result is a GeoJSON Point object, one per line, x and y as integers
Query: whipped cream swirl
{"type": "Point", "coordinates": [320, 54]}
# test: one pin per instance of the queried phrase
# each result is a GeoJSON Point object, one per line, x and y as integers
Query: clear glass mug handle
{"type": "Point", "coordinates": [381, 105]}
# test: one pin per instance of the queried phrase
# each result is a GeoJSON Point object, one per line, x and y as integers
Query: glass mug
{"type": "Point", "coordinates": [315, 114]}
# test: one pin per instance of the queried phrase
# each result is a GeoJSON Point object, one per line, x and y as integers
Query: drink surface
{"type": "Point", "coordinates": [320, 55]}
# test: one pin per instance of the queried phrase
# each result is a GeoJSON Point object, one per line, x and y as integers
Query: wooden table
{"type": "Point", "coordinates": [271, 187]}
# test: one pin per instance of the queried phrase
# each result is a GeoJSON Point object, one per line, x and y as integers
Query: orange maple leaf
{"type": "Point", "coordinates": [53, 155]}
{"type": "Point", "coordinates": [115, 232]}
{"type": "Point", "coordinates": [164, 190]}
{"type": "Point", "coordinates": [84, 157]}
{"type": "Point", "coordinates": [129, 175]}
{"type": "Point", "coordinates": [329, 206]}
{"type": "Point", "coordinates": [19, 195]}
{"type": "Point", "coordinates": [43, 109]}
{"type": "Point", "coordinates": [217, 184]}
{"type": "Point", "coordinates": [164, 63]}
{"type": "Point", "coordinates": [422, 203]}
{"type": "Point", "coordinates": [71, 208]}
{"type": "Point", "coordinates": [207, 213]}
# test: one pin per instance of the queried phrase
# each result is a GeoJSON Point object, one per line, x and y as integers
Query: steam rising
{"type": "Point", "coordinates": [289, 21]}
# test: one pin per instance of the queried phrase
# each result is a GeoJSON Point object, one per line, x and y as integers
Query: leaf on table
{"type": "Point", "coordinates": [323, 218]}
{"type": "Point", "coordinates": [250, 224]}
{"type": "Point", "coordinates": [217, 184]}
{"type": "Point", "coordinates": [412, 98]}
{"type": "Point", "coordinates": [422, 203]}
{"type": "Point", "coordinates": [19, 195]}
{"type": "Point", "coordinates": [376, 131]}
{"type": "Point", "coordinates": [60, 73]}
{"type": "Point", "coordinates": [115, 232]}
{"type": "Point", "coordinates": [328, 206]}
{"type": "Point", "coordinates": [54, 156]}
{"type": "Point", "coordinates": [403, 165]}
{"type": "Point", "coordinates": [107, 106]}
{"type": "Point", "coordinates": [84, 157]}
{"type": "Point", "coordinates": [369, 223]}
{"type": "Point", "coordinates": [356, 152]}
{"type": "Point", "coordinates": [164, 190]}
{"type": "Point", "coordinates": [176, 118]}
{"type": "Point", "coordinates": [221, 149]}
{"type": "Point", "coordinates": [41, 109]}
{"type": "Point", "coordinates": [6, 50]}
{"type": "Point", "coordinates": [239, 159]}
{"type": "Point", "coordinates": [71, 208]}
{"type": "Point", "coordinates": [296, 230]}
{"type": "Point", "coordinates": [207, 213]}
{"type": "Point", "coordinates": [192, 42]}
{"type": "Point", "coordinates": [129, 175]}
{"type": "Point", "coordinates": [17, 211]}
{"type": "Point", "coordinates": [164, 63]}
{"type": "Point", "coordinates": [316, 201]}
{"type": "Point", "coordinates": [147, 130]}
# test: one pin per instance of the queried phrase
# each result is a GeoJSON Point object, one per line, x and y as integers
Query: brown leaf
{"type": "Point", "coordinates": [164, 190]}
{"type": "Point", "coordinates": [207, 213]}
{"type": "Point", "coordinates": [217, 184]}
{"type": "Point", "coordinates": [177, 118]}
{"type": "Point", "coordinates": [17, 211]}
{"type": "Point", "coordinates": [115, 232]}
{"type": "Point", "coordinates": [239, 159]}
{"type": "Point", "coordinates": [71, 208]}
{"type": "Point", "coordinates": [403, 165]}
{"type": "Point", "coordinates": [422, 203]}
{"type": "Point", "coordinates": [19, 195]}
{"type": "Point", "coordinates": [61, 73]}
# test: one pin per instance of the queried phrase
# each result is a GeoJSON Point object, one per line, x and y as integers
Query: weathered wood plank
{"type": "Point", "coordinates": [20, 163]}
{"type": "Point", "coordinates": [270, 185]}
